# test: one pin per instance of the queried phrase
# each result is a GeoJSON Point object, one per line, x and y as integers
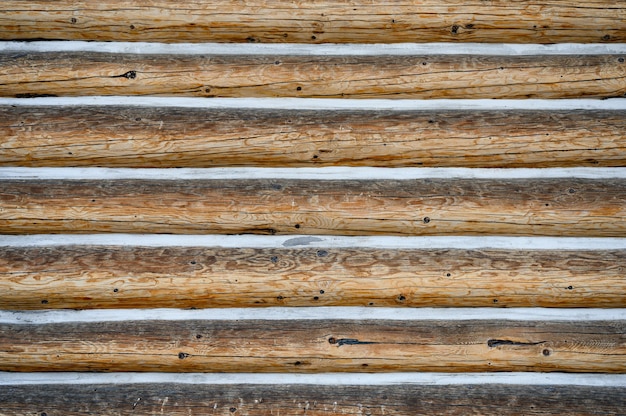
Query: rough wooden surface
{"type": "Point", "coordinates": [198, 399]}
{"type": "Point", "coordinates": [381, 21]}
{"type": "Point", "coordinates": [140, 277]}
{"type": "Point", "coordinates": [553, 207]}
{"type": "Point", "coordinates": [315, 346]}
{"type": "Point", "coordinates": [193, 137]}
{"type": "Point", "coordinates": [439, 76]}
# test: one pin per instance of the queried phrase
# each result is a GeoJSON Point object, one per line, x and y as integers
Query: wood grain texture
{"type": "Point", "coordinates": [225, 400]}
{"type": "Point", "coordinates": [315, 346]}
{"type": "Point", "coordinates": [417, 77]}
{"type": "Point", "coordinates": [194, 137]}
{"type": "Point", "coordinates": [140, 277]}
{"type": "Point", "coordinates": [381, 21]}
{"type": "Point", "coordinates": [552, 207]}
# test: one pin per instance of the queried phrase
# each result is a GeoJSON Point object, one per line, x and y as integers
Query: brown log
{"type": "Point", "coordinates": [315, 346]}
{"type": "Point", "coordinates": [315, 22]}
{"type": "Point", "coordinates": [225, 400]}
{"type": "Point", "coordinates": [194, 137]}
{"type": "Point", "coordinates": [139, 277]}
{"type": "Point", "coordinates": [423, 77]}
{"type": "Point", "coordinates": [553, 207]}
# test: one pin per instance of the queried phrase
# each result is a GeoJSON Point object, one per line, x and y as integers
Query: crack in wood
{"type": "Point", "coordinates": [492, 343]}
{"type": "Point", "coordinates": [349, 341]}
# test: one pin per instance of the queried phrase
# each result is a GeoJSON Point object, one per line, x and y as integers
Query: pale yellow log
{"type": "Point", "coordinates": [417, 77]}
{"type": "Point", "coordinates": [360, 21]}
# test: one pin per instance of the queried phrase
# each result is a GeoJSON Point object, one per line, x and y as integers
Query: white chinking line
{"type": "Point", "coordinates": [312, 313]}
{"type": "Point", "coordinates": [539, 243]}
{"type": "Point", "coordinates": [400, 49]}
{"type": "Point", "coordinates": [321, 173]}
{"type": "Point", "coordinates": [318, 241]}
{"type": "Point", "coordinates": [610, 104]}
{"type": "Point", "coordinates": [334, 379]}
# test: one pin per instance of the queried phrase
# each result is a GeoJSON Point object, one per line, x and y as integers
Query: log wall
{"type": "Point", "coordinates": [393, 304]}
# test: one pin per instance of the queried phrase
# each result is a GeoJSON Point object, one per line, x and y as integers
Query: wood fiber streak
{"type": "Point", "coordinates": [315, 346]}
{"type": "Point", "coordinates": [417, 77]}
{"type": "Point", "coordinates": [139, 277]}
{"type": "Point", "coordinates": [553, 207]}
{"type": "Point", "coordinates": [381, 21]}
{"type": "Point", "coordinates": [193, 137]}
{"type": "Point", "coordinates": [265, 400]}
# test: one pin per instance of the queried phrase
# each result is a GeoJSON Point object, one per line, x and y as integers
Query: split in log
{"type": "Point", "coordinates": [315, 346]}
{"type": "Point", "coordinates": [334, 21]}
{"type": "Point", "coordinates": [416, 77]}
{"type": "Point", "coordinates": [551, 207]}
{"type": "Point", "coordinates": [194, 137]}
{"type": "Point", "coordinates": [266, 400]}
{"type": "Point", "coordinates": [135, 277]}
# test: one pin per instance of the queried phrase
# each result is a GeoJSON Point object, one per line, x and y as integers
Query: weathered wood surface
{"type": "Point", "coordinates": [315, 346]}
{"type": "Point", "coordinates": [201, 399]}
{"type": "Point", "coordinates": [553, 207]}
{"type": "Point", "coordinates": [193, 137]}
{"type": "Point", "coordinates": [141, 277]}
{"type": "Point", "coordinates": [439, 76]}
{"type": "Point", "coordinates": [314, 22]}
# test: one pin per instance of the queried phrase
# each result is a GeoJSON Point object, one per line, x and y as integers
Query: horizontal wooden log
{"type": "Point", "coordinates": [322, 21]}
{"type": "Point", "coordinates": [423, 77]}
{"type": "Point", "coordinates": [553, 207]}
{"type": "Point", "coordinates": [140, 277]}
{"type": "Point", "coordinates": [194, 137]}
{"type": "Point", "coordinates": [315, 346]}
{"type": "Point", "coordinates": [199, 399]}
